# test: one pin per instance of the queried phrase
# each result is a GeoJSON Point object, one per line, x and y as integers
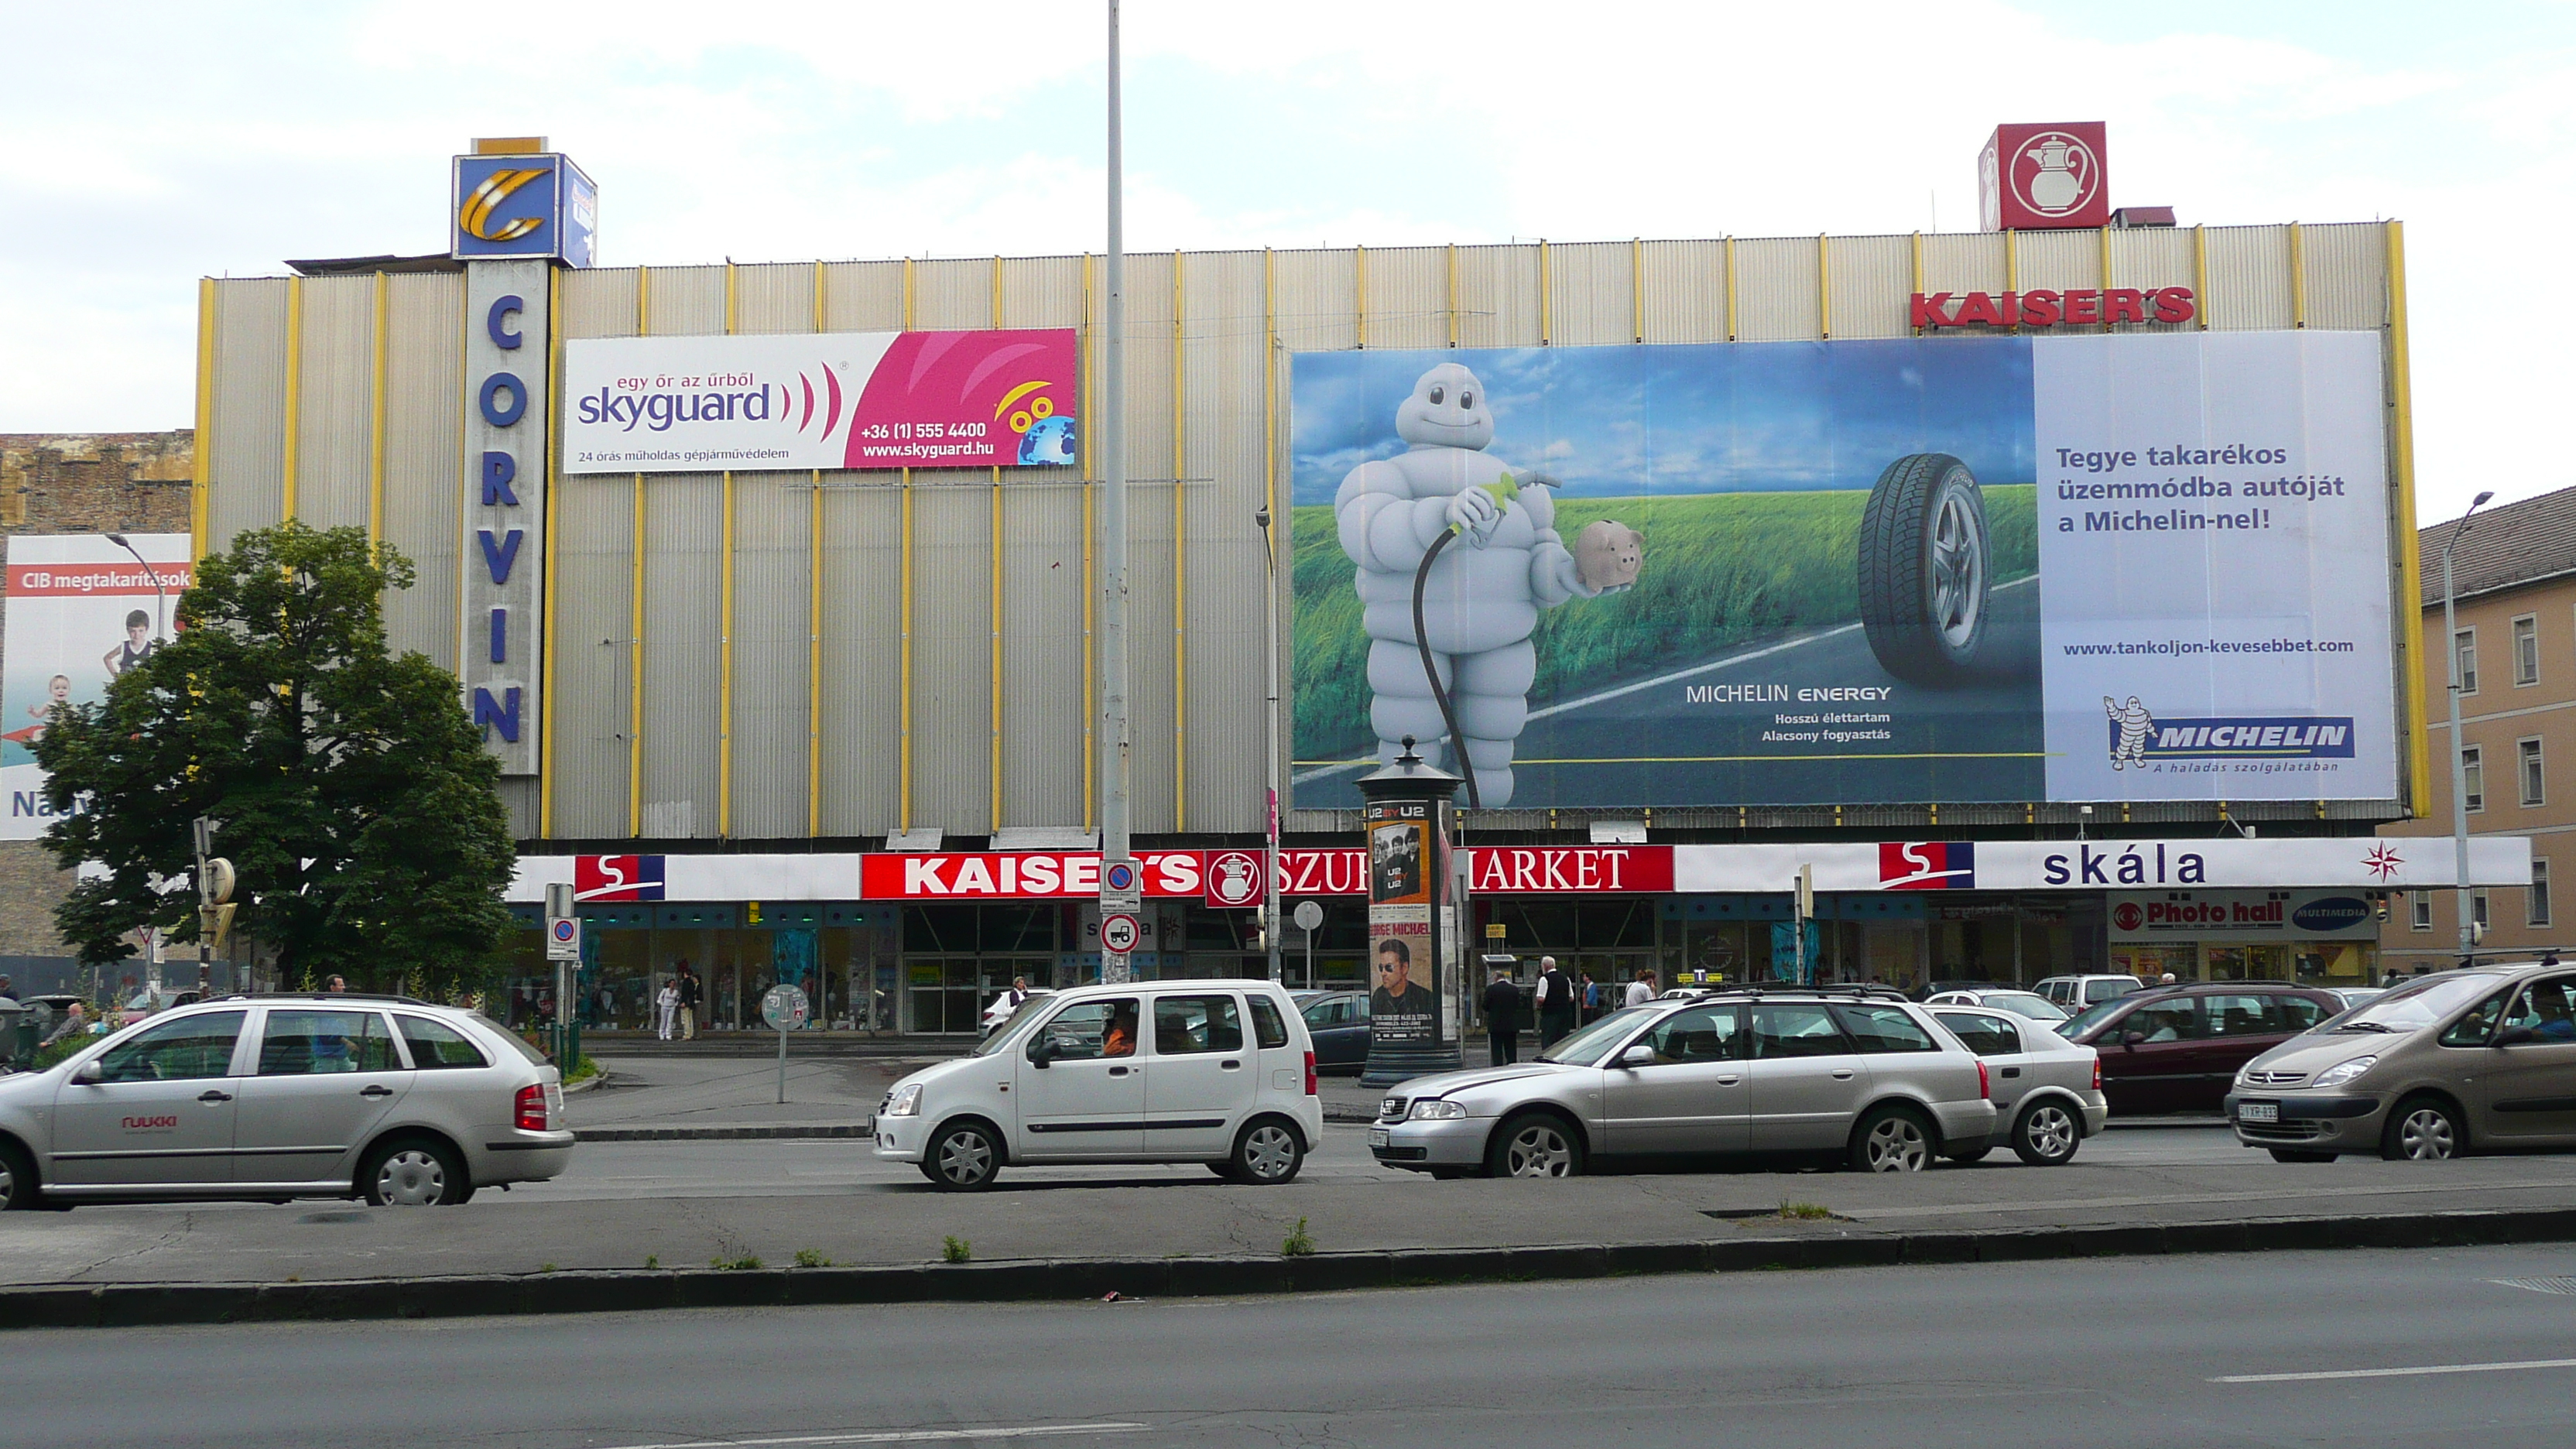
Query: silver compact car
{"type": "Point", "coordinates": [2047, 1090]}
{"type": "Point", "coordinates": [271, 1098]}
{"type": "Point", "coordinates": [2477, 1059]}
{"type": "Point", "coordinates": [2029, 1005]}
{"type": "Point", "coordinates": [1861, 1073]}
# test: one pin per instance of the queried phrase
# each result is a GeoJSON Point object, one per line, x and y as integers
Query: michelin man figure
{"type": "Point", "coordinates": [2135, 725]}
{"type": "Point", "coordinates": [1483, 597]}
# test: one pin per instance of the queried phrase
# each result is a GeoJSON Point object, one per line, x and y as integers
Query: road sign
{"type": "Point", "coordinates": [563, 939]}
{"type": "Point", "coordinates": [1308, 915]}
{"type": "Point", "coordinates": [1119, 933]}
{"type": "Point", "coordinates": [783, 1007]}
{"type": "Point", "coordinates": [1122, 887]}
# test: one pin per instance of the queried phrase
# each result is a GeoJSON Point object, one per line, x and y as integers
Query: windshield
{"type": "Point", "coordinates": [2411, 1007]}
{"type": "Point", "coordinates": [2087, 1019]}
{"type": "Point", "coordinates": [1014, 1028]}
{"type": "Point", "coordinates": [2029, 1005]}
{"type": "Point", "coordinates": [1591, 1044]}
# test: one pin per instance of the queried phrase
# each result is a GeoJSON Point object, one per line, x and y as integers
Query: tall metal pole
{"type": "Point", "coordinates": [2459, 766]}
{"type": "Point", "coordinates": [1114, 761]}
{"type": "Point", "coordinates": [1273, 802]}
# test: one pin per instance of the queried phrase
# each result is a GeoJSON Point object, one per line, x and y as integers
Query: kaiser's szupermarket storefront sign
{"type": "Point", "coordinates": [1232, 878]}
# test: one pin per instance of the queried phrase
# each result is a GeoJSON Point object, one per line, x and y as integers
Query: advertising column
{"type": "Point", "coordinates": [1415, 985]}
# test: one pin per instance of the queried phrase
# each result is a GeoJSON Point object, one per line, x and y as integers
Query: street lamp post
{"type": "Point", "coordinates": [160, 591]}
{"type": "Point", "coordinates": [2459, 767]}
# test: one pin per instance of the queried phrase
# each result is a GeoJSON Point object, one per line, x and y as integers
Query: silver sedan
{"type": "Point", "coordinates": [1865, 1075]}
{"type": "Point", "coordinates": [2048, 1090]}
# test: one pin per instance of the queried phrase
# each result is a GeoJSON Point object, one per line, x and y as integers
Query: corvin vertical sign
{"type": "Point", "coordinates": [517, 212]}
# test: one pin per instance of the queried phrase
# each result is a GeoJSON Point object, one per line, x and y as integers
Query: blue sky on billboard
{"type": "Point", "coordinates": [1754, 417]}
{"type": "Point", "coordinates": [218, 140]}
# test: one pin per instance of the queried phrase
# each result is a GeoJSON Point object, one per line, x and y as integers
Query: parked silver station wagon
{"type": "Point", "coordinates": [1861, 1072]}
{"type": "Point", "coordinates": [271, 1098]}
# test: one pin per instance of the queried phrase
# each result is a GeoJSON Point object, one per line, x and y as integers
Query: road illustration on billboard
{"type": "Point", "coordinates": [1912, 569]}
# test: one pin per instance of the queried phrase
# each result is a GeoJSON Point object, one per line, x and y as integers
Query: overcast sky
{"type": "Point", "coordinates": [150, 145]}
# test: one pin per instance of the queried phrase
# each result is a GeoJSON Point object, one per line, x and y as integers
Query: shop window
{"type": "Point", "coordinates": [938, 928]}
{"type": "Point", "coordinates": [2538, 914]}
{"type": "Point", "coordinates": [2527, 763]}
{"type": "Point", "coordinates": [2464, 646]}
{"type": "Point", "coordinates": [1615, 925]}
{"type": "Point", "coordinates": [2473, 776]}
{"type": "Point", "coordinates": [2478, 909]}
{"type": "Point", "coordinates": [1018, 928]}
{"type": "Point", "coordinates": [2420, 911]}
{"type": "Point", "coordinates": [2526, 650]}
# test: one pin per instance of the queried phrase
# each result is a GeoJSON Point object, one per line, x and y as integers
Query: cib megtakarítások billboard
{"type": "Point", "coordinates": [2115, 567]}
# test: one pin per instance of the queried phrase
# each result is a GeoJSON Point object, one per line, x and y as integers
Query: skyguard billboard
{"type": "Point", "coordinates": [2147, 566]}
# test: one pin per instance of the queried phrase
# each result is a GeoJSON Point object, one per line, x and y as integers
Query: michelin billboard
{"type": "Point", "coordinates": [1952, 569]}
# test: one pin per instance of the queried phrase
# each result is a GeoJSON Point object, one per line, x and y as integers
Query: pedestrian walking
{"type": "Point", "coordinates": [1555, 1002]}
{"type": "Point", "coordinates": [692, 997]}
{"type": "Point", "coordinates": [1591, 999]}
{"type": "Point", "coordinates": [666, 1009]}
{"type": "Point", "coordinates": [1641, 990]}
{"type": "Point", "coordinates": [1503, 1019]}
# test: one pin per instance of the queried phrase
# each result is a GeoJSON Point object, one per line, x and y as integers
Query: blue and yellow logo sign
{"type": "Point", "coordinates": [529, 205]}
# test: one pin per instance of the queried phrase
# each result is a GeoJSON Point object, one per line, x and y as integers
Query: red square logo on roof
{"type": "Point", "coordinates": [2045, 177]}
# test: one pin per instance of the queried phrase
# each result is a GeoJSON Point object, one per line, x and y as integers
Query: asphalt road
{"type": "Point", "coordinates": [1978, 740]}
{"type": "Point", "coordinates": [790, 1167]}
{"type": "Point", "coordinates": [2385, 1348]}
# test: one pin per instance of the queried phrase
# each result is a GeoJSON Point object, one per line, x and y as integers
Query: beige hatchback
{"type": "Point", "coordinates": [2482, 1058]}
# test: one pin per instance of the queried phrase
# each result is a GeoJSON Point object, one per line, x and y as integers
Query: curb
{"type": "Point", "coordinates": [723, 1132]}
{"type": "Point", "coordinates": [623, 1291]}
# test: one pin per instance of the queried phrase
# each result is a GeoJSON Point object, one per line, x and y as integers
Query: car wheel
{"type": "Point", "coordinates": [2293, 1154]}
{"type": "Point", "coordinates": [1534, 1147]}
{"type": "Point", "coordinates": [412, 1172]}
{"type": "Point", "coordinates": [2047, 1135]}
{"type": "Point", "coordinates": [1891, 1139]}
{"type": "Point", "coordinates": [18, 1191]}
{"type": "Point", "coordinates": [1924, 581]}
{"type": "Point", "coordinates": [2422, 1130]}
{"type": "Point", "coordinates": [1266, 1153]}
{"type": "Point", "coordinates": [964, 1158]}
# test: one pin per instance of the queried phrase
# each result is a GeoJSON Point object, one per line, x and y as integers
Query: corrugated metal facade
{"type": "Point", "coordinates": [884, 675]}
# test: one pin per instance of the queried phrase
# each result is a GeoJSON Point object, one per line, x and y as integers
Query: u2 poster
{"type": "Point", "coordinates": [2116, 567]}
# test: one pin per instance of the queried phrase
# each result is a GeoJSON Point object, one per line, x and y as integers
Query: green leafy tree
{"type": "Point", "coordinates": [349, 788]}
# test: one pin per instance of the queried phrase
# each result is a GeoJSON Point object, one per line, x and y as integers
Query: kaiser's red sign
{"type": "Point", "coordinates": [1232, 878]}
{"type": "Point", "coordinates": [2039, 177]}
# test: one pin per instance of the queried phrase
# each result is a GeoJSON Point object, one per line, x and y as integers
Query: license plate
{"type": "Point", "coordinates": [1377, 1137]}
{"type": "Point", "coordinates": [2258, 1111]}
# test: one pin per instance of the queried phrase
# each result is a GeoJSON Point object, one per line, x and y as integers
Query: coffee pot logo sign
{"type": "Point", "coordinates": [2055, 174]}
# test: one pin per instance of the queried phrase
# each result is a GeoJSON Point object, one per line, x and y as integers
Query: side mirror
{"type": "Point", "coordinates": [1637, 1056]}
{"type": "Point", "coordinates": [2130, 1039]}
{"type": "Point", "coordinates": [1041, 1052]}
{"type": "Point", "coordinates": [89, 1073]}
{"type": "Point", "coordinates": [2515, 1036]}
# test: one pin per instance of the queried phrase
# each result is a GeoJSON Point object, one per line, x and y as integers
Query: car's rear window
{"type": "Point", "coordinates": [1878, 1027]}
{"type": "Point", "coordinates": [1267, 1026]}
{"type": "Point", "coordinates": [1985, 1033]}
{"type": "Point", "coordinates": [517, 1042]}
{"type": "Point", "coordinates": [435, 1045]}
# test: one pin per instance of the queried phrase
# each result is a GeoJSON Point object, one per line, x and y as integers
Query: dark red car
{"type": "Point", "coordinates": [2177, 1049]}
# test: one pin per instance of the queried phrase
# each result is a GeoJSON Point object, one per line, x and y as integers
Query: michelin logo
{"type": "Point", "coordinates": [2138, 738]}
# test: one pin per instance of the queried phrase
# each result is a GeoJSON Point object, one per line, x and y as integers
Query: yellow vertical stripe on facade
{"type": "Point", "coordinates": [1453, 294]}
{"type": "Point", "coordinates": [2102, 244]}
{"type": "Point", "coordinates": [1090, 602]}
{"type": "Point", "coordinates": [635, 607]}
{"type": "Point", "coordinates": [2200, 274]}
{"type": "Point", "coordinates": [2298, 277]}
{"type": "Point", "coordinates": [1824, 289]}
{"type": "Point", "coordinates": [993, 742]}
{"type": "Point", "coordinates": [202, 447]}
{"type": "Point", "coordinates": [2410, 578]}
{"type": "Point", "coordinates": [814, 606]}
{"type": "Point", "coordinates": [903, 586]}
{"type": "Point", "coordinates": [724, 625]}
{"type": "Point", "coordinates": [1180, 577]}
{"type": "Point", "coordinates": [294, 396]}
{"type": "Point", "coordinates": [376, 423]}
{"type": "Point", "coordinates": [554, 566]}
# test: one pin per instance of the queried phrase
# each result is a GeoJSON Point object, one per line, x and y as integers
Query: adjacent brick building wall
{"type": "Point", "coordinates": [77, 483]}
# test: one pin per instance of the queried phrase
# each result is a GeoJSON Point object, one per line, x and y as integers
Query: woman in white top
{"type": "Point", "coordinates": [666, 1010]}
{"type": "Point", "coordinates": [1641, 990]}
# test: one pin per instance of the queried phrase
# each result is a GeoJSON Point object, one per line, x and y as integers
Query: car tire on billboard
{"type": "Point", "coordinates": [1924, 582]}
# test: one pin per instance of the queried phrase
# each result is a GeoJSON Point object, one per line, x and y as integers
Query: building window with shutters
{"type": "Point", "coordinates": [2473, 779]}
{"type": "Point", "coordinates": [2539, 913]}
{"type": "Point", "coordinates": [2478, 910]}
{"type": "Point", "coordinates": [2527, 765]}
{"type": "Point", "coordinates": [2526, 650]}
{"type": "Point", "coordinates": [2420, 911]}
{"type": "Point", "coordinates": [2464, 649]}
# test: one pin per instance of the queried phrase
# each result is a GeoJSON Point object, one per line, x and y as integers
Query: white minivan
{"type": "Point", "coordinates": [1213, 1071]}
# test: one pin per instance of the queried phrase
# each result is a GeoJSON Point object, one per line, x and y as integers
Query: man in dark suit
{"type": "Point", "coordinates": [1555, 1002]}
{"type": "Point", "coordinates": [1503, 1019]}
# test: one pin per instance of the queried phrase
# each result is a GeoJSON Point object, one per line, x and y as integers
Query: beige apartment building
{"type": "Point", "coordinates": [2514, 576]}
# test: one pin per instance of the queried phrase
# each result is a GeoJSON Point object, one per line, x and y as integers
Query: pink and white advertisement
{"type": "Point", "coordinates": [1004, 398]}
